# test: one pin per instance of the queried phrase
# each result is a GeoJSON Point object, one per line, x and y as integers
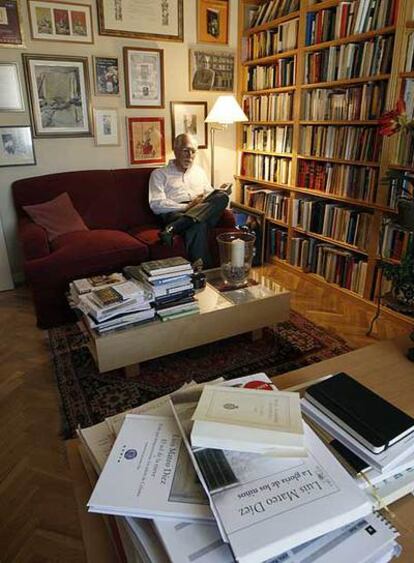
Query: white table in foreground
{"type": "Point", "coordinates": [222, 315]}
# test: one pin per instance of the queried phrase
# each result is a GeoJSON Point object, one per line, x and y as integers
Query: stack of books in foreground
{"type": "Point", "coordinates": [171, 284]}
{"type": "Point", "coordinates": [111, 302]}
{"type": "Point", "coordinates": [229, 471]}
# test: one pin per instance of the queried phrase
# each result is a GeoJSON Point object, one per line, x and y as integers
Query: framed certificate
{"type": "Point", "coordinates": [11, 96]}
{"type": "Point", "coordinates": [144, 77]}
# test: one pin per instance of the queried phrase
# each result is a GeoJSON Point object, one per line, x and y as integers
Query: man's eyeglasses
{"type": "Point", "coordinates": [188, 151]}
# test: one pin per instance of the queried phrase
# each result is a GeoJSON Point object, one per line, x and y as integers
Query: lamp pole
{"type": "Point", "coordinates": [212, 140]}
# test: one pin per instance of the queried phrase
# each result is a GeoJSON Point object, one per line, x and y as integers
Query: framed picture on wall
{"type": "Point", "coordinates": [211, 70]}
{"type": "Point", "coordinates": [59, 95]}
{"type": "Point", "coordinates": [146, 140]}
{"type": "Point", "coordinates": [188, 117]}
{"type": "Point", "coordinates": [16, 146]}
{"type": "Point", "coordinates": [144, 77]}
{"type": "Point", "coordinates": [106, 76]}
{"type": "Point", "coordinates": [161, 20]}
{"type": "Point", "coordinates": [11, 95]}
{"type": "Point", "coordinates": [106, 127]}
{"type": "Point", "coordinates": [10, 24]}
{"type": "Point", "coordinates": [60, 21]}
{"type": "Point", "coordinates": [213, 21]}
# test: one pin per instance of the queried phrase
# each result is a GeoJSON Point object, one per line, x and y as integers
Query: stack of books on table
{"type": "Point", "coordinates": [172, 287]}
{"type": "Point", "coordinates": [112, 305]}
{"type": "Point", "coordinates": [287, 500]}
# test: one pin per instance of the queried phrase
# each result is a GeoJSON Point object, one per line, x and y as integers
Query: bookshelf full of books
{"type": "Point", "coordinates": [315, 78]}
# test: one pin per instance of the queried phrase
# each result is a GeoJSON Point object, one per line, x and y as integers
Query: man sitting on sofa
{"type": "Point", "coordinates": [182, 195]}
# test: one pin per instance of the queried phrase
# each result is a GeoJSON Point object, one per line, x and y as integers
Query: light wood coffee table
{"type": "Point", "coordinates": [222, 314]}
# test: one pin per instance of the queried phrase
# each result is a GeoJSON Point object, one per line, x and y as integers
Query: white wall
{"type": "Point", "coordinates": [58, 155]}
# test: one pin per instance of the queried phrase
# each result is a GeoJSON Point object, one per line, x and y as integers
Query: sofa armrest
{"type": "Point", "coordinates": [227, 220]}
{"type": "Point", "coordinates": [33, 239]}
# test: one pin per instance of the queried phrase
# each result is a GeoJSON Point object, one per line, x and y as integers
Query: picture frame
{"type": "Point", "coordinates": [11, 93]}
{"type": "Point", "coordinates": [60, 21]}
{"type": "Point", "coordinates": [16, 146]}
{"type": "Point", "coordinates": [59, 95]}
{"type": "Point", "coordinates": [144, 77]}
{"type": "Point", "coordinates": [159, 20]}
{"type": "Point", "coordinates": [106, 76]}
{"type": "Point", "coordinates": [189, 117]}
{"type": "Point", "coordinates": [11, 34]}
{"type": "Point", "coordinates": [146, 140]}
{"type": "Point", "coordinates": [213, 21]}
{"type": "Point", "coordinates": [211, 70]}
{"type": "Point", "coordinates": [106, 127]}
{"type": "Point", "coordinates": [252, 221]}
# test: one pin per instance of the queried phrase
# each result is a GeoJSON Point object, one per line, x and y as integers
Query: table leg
{"type": "Point", "coordinates": [257, 334]}
{"type": "Point", "coordinates": [132, 370]}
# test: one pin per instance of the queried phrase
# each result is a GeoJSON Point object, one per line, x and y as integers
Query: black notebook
{"type": "Point", "coordinates": [369, 418]}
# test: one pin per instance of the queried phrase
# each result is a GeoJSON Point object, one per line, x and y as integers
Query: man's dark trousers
{"type": "Point", "coordinates": [195, 223]}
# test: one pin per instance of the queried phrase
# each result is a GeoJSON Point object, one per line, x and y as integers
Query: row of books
{"type": "Point", "coordinates": [281, 73]}
{"type": "Point", "coordinates": [274, 9]}
{"type": "Point", "coordinates": [273, 41]}
{"type": "Point", "coordinates": [349, 18]}
{"type": "Point", "coordinates": [355, 103]}
{"type": "Point", "coordinates": [269, 107]}
{"type": "Point", "coordinates": [268, 168]}
{"type": "Point", "coordinates": [344, 180]}
{"type": "Point", "coordinates": [268, 138]}
{"type": "Point", "coordinates": [407, 93]}
{"type": "Point", "coordinates": [353, 60]}
{"type": "Point", "coordinates": [273, 203]}
{"type": "Point", "coordinates": [276, 242]}
{"type": "Point", "coordinates": [398, 185]}
{"type": "Point", "coordinates": [332, 220]}
{"type": "Point", "coordinates": [404, 154]}
{"type": "Point", "coordinates": [396, 242]}
{"type": "Point", "coordinates": [409, 58]}
{"type": "Point", "coordinates": [296, 510]}
{"type": "Point", "coordinates": [347, 143]}
{"type": "Point", "coordinates": [331, 263]}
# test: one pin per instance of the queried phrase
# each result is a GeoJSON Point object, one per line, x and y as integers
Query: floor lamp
{"type": "Point", "coordinates": [225, 111]}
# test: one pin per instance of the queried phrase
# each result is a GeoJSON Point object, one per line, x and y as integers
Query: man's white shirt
{"type": "Point", "coordinates": [170, 188]}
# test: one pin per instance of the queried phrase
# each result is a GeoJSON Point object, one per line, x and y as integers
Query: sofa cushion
{"type": "Point", "coordinates": [149, 235]}
{"type": "Point", "coordinates": [57, 216]}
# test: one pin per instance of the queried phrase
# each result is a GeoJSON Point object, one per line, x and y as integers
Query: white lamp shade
{"type": "Point", "coordinates": [226, 110]}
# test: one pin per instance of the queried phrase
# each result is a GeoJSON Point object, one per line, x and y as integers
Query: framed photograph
{"type": "Point", "coordinates": [146, 140]}
{"type": "Point", "coordinates": [11, 95]}
{"type": "Point", "coordinates": [60, 21]}
{"type": "Point", "coordinates": [213, 21]}
{"type": "Point", "coordinates": [106, 76]}
{"type": "Point", "coordinates": [106, 126]}
{"type": "Point", "coordinates": [252, 222]}
{"type": "Point", "coordinates": [16, 146]}
{"type": "Point", "coordinates": [144, 77]}
{"type": "Point", "coordinates": [10, 24]}
{"type": "Point", "coordinates": [211, 70]}
{"type": "Point", "coordinates": [188, 117]}
{"type": "Point", "coordinates": [161, 20]}
{"type": "Point", "coordinates": [59, 95]}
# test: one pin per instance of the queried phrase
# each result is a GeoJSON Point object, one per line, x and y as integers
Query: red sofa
{"type": "Point", "coordinates": [123, 231]}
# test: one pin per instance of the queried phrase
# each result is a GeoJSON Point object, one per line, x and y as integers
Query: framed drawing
{"type": "Point", "coordinates": [161, 20]}
{"type": "Point", "coordinates": [144, 77]}
{"type": "Point", "coordinates": [106, 127]}
{"type": "Point", "coordinates": [253, 222]}
{"type": "Point", "coordinates": [16, 146]}
{"type": "Point", "coordinates": [213, 21]}
{"type": "Point", "coordinates": [146, 140]}
{"type": "Point", "coordinates": [106, 76]}
{"type": "Point", "coordinates": [11, 96]}
{"type": "Point", "coordinates": [59, 95]}
{"type": "Point", "coordinates": [10, 24]}
{"type": "Point", "coordinates": [188, 117]}
{"type": "Point", "coordinates": [60, 21]}
{"type": "Point", "coordinates": [211, 70]}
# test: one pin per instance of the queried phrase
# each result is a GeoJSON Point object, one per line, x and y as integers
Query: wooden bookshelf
{"type": "Point", "coordinates": [392, 78]}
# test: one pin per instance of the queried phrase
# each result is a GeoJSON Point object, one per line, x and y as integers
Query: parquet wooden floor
{"type": "Point", "coordinates": [38, 513]}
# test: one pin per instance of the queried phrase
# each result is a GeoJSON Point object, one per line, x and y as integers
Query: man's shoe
{"type": "Point", "coordinates": [197, 265]}
{"type": "Point", "coordinates": [167, 236]}
{"type": "Point", "coordinates": [226, 188]}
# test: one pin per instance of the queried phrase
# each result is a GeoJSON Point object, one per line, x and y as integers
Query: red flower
{"type": "Point", "coordinates": [389, 123]}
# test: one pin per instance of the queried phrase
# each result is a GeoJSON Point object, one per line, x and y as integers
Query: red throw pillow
{"type": "Point", "coordinates": [57, 216]}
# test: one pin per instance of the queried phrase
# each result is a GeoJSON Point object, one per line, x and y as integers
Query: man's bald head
{"type": "Point", "coordinates": [185, 148]}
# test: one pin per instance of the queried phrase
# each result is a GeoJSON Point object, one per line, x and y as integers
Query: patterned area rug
{"type": "Point", "coordinates": [87, 397]}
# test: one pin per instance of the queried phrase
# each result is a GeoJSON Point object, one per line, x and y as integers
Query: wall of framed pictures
{"type": "Point", "coordinates": [75, 50]}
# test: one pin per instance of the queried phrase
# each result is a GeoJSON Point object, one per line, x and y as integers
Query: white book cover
{"type": "Point", "coordinates": [266, 505]}
{"type": "Point", "coordinates": [148, 473]}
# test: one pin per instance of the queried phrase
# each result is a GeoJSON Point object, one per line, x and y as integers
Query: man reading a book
{"type": "Point", "coordinates": [182, 196]}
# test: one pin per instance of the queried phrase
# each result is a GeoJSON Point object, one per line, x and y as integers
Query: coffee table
{"type": "Point", "coordinates": [222, 314]}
